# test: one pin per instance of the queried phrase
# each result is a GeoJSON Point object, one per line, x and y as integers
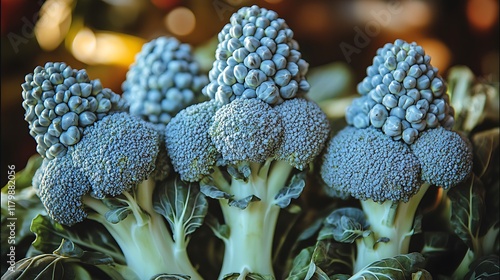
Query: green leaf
{"type": "Point", "coordinates": [88, 235]}
{"type": "Point", "coordinates": [466, 210]}
{"type": "Point", "coordinates": [24, 177]}
{"type": "Point", "coordinates": [249, 276]}
{"type": "Point", "coordinates": [243, 203]}
{"type": "Point", "coordinates": [221, 231]}
{"type": "Point", "coordinates": [68, 262]}
{"type": "Point", "coordinates": [486, 145]}
{"type": "Point", "coordinates": [326, 258]}
{"type": "Point", "coordinates": [421, 275]}
{"type": "Point", "coordinates": [436, 244]}
{"type": "Point", "coordinates": [171, 277]}
{"type": "Point", "coordinates": [182, 204]}
{"type": "Point", "coordinates": [487, 267]}
{"type": "Point", "coordinates": [68, 249]}
{"type": "Point", "coordinates": [214, 192]}
{"type": "Point", "coordinates": [398, 267]}
{"type": "Point", "coordinates": [345, 225]}
{"type": "Point", "coordinates": [117, 215]}
{"type": "Point", "coordinates": [292, 191]}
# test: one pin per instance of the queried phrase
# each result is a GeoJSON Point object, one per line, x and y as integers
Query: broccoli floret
{"type": "Point", "coordinates": [61, 187]}
{"type": "Point", "coordinates": [189, 145]}
{"type": "Point", "coordinates": [403, 94]}
{"type": "Point", "coordinates": [257, 57]}
{"type": "Point", "coordinates": [368, 164]}
{"type": "Point", "coordinates": [60, 102]}
{"type": "Point", "coordinates": [299, 147]}
{"type": "Point", "coordinates": [163, 80]}
{"type": "Point", "coordinates": [116, 154]}
{"type": "Point", "coordinates": [246, 130]}
{"type": "Point", "coordinates": [445, 156]}
{"type": "Point", "coordinates": [403, 98]}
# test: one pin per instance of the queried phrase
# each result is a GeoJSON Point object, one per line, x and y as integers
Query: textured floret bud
{"type": "Point", "coordinates": [246, 130]}
{"type": "Point", "coordinates": [257, 49]}
{"type": "Point", "coordinates": [445, 156]}
{"type": "Point", "coordinates": [306, 130]}
{"type": "Point", "coordinates": [60, 186]}
{"type": "Point", "coordinates": [60, 102]}
{"type": "Point", "coordinates": [368, 164]}
{"type": "Point", "coordinates": [188, 143]}
{"type": "Point", "coordinates": [116, 153]}
{"type": "Point", "coordinates": [401, 83]}
{"type": "Point", "coordinates": [164, 79]}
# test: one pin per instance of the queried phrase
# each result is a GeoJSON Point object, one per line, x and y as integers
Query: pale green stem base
{"type": "Point", "coordinates": [249, 246]}
{"type": "Point", "coordinates": [390, 220]}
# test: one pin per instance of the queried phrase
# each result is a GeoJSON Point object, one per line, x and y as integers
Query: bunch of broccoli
{"type": "Point", "coordinates": [123, 181]}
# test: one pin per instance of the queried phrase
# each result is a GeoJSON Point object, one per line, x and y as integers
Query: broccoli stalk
{"type": "Point", "coordinates": [248, 247]}
{"type": "Point", "coordinates": [144, 230]}
{"type": "Point", "coordinates": [397, 143]}
{"type": "Point", "coordinates": [391, 226]}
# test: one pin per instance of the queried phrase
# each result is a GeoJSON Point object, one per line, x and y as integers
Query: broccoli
{"type": "Point", "coordinates": [254, 136]}
{"type": "Point", "coordinates": [109, 175]}
{"type": "Point", "coordinates": [398, 143]}
{"type": "Point", "coordinates": [163, 80]}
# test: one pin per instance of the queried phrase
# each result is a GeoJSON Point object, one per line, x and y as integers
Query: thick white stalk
{"type": "Point", "coordinates": [249, 246]}
{"type": "Point", "coordinates": [391, 221]}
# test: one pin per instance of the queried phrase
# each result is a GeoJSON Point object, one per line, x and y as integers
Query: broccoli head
{"type": "Point", "coordinates": [257, 57]}
{"type": "Point", "coordinates": [402, 94]}
{"type": "Point", "coordinates": [114, 155]}
{"type": "Point", "coordinates": [163, 80]}
{"type": "Point", "coordinates": [60, 102]}
{"type": "Point", "coordinates": [368, 164]}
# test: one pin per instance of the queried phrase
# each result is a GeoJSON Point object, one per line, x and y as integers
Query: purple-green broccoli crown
{"type": "Point", "coordinates": [60, 102]}
{"type": "Point", "coordinates": [245, 130]}
{"type": "Point", "coordinates": [368, 164]}
{"type": "Point", "coordinates": [257, 57]}
{"type": "Point", "coordinates": [164, 79]}
{"type": "Point", "coordinates": [402, 94]}
{"type": "Point", "coordinates": [114, 155]}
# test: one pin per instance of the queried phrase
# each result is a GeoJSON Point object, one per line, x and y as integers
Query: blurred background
{"type": "Point", "coordinates": [341, 36]}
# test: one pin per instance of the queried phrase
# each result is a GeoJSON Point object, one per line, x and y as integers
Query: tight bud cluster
{"type": "Point", "coordinates": [163, 80]}
{"type": "Point", "coordinates": [59, 102]}
{"type": "Point", "coordinates": [257, 57]}
{"type": "Point", "coordinates": [402, 94]}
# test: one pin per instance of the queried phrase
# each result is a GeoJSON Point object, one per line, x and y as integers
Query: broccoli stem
{"type": "Point", "coordinates": [391, 224]}
{"type": "Point", "coordinates": [144, 231]}
{"type": "Point", "coordinates": [249, 246]}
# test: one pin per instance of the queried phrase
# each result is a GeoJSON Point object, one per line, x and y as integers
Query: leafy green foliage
{"type": "Point", "coordinates": [249, 276]}
{"type": "Point", "coordinates": [49, 234]}
{"type": "Point", "coordinates": [345, 225]}
{"type": "Point", "coordinates": [171, 277]}
{"type": "Point", "coordinates": [182, 204]}
{"type": "Point", "coordinates": [243, 202]}
{"type": "Point", "coordinates": [67, 262]}
{"type": "Point", "coordinates": [326, 258]}
{"type": "Point", "coordinates": [399, 267]}
{"type": "Point", "coordinates": [119, 210]}
{"type": "Point", "coordinates": [467, 209]}
{"type": "Point", "coordinates": [292, 191]}
{"type": "Point", "coordinates": [484, 268]}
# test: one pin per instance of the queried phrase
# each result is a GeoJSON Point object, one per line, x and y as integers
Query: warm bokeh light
{"type": "Point", "coordinates": [54, 23]}
{"type": "Point", "coordinates": [440, 54]}
{"type": "Point", "coordinates": [274, 1]}
{"type": "Point", "coordinates": [105, 47]}
{"type": "Point", "coordinates": [482, 14]}
{"type": "Point", "coordinates": [180, 21]}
